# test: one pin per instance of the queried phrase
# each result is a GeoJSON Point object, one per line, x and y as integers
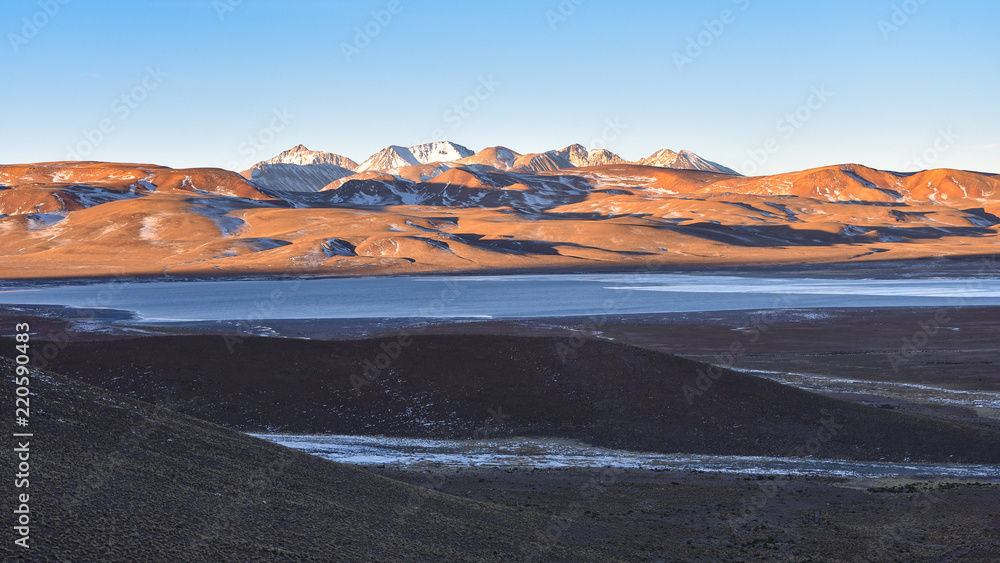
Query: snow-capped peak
{"type": "Point", "coordinates": [302, 156]}
{"type": "Point", "coordinates": [395, 156]}
{"type": "Point", "coordinates": [441, 151]}
{"type": "Point", "coordinates": [580, 155]}
{"type": "Point", "coordinates": [684, 160]}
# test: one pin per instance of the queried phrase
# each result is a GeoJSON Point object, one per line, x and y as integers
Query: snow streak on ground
{"type": "Point", "coordinates": [557, 453]}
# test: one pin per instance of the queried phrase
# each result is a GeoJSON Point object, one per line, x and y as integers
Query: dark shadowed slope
{"type": "Point", "coordinates": [113, 479]}
{"type": "Point", "coordinates": [460, 386]}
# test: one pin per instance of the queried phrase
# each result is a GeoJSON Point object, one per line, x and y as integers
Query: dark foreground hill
{"type": "Point", "coordinates": [487, 386]}
{"type": "Point", "coordinates": [114, 479]}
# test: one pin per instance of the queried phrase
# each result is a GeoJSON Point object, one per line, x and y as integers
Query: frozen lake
{"type": "Point", "coordinates": [494, 297]}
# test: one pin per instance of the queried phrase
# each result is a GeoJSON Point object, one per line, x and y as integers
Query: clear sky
{"type": "Point", "coordinates": [230, 82]}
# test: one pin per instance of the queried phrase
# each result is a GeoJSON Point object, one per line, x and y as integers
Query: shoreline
{"type": "Point", "coordinates": [949, 267]}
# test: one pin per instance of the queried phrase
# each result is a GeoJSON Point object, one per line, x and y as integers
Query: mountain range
{"type": "Point", "coordinates": [300, 169]}
{"type": "Point", "coordinates": [447, 209]}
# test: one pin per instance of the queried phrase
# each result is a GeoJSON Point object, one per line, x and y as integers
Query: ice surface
{"type": "Point", "coordinates": [558, 453]}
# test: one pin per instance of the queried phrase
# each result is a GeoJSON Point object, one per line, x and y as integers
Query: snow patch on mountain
{"type": "Point", "coordinates": [684, 160]}
{"type": "Point", "coordinates": [296, 177]}
{"type": "Point", "coordinates": [443, 151]}
{"type": "Point", "coordinates": [150, 229]}
{"type": "Point", "coordinates": [581, 156]}
{"type": "Point", "coordinates": [300, 155]}
{"type": "Point", "coordinates": [41, 221]}
{"type": "Point", "coordinates": [542, 162]}
{"type": "Point", "coordinates": [395, 156]}
{"type": "Point", "coordinates": [500, 158]}
{"type": "Point", "coordinates": [506, 157]}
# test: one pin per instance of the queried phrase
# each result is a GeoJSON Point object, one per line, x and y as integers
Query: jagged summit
{"type": "Point", "coordinates": [302, 156]}
{"type": "Point", "coordinates": [395, 156]}
{"type": "Point", "coordinates": [684, 160]}
{"type": "Point", "coordinates": [299, 169]}
{"type": "Point", "coordinates": [542, 162]}
{"type": "Point", "coordinates": [580, 155]}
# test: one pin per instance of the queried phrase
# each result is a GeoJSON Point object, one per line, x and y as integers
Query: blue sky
{"type": "Point", "coordinates": [762, 87]}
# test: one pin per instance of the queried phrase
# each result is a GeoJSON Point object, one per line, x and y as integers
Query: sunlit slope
{"type": "Point", "coordinates": [90, 219]}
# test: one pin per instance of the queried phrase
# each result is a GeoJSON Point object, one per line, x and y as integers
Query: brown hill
{"type": "Point", "coordinates": [85, 219]}
{"type": "Point", "coordinates": [581, 156]}
{"type": "Point", "coordinates": [853, 182]}
{"type": "Point", "coordinates": [500, 158]}
{"type": "Point", "coordinates": [302, 156]}
{"type": "Point", "coordinates": [684, 160]}
{"type": "Point", "coordinates": [541, 162]}
{"type": "Point", "coordinates": [421, 172]}
{"type": "Point", "coordinates": [129, 177]}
